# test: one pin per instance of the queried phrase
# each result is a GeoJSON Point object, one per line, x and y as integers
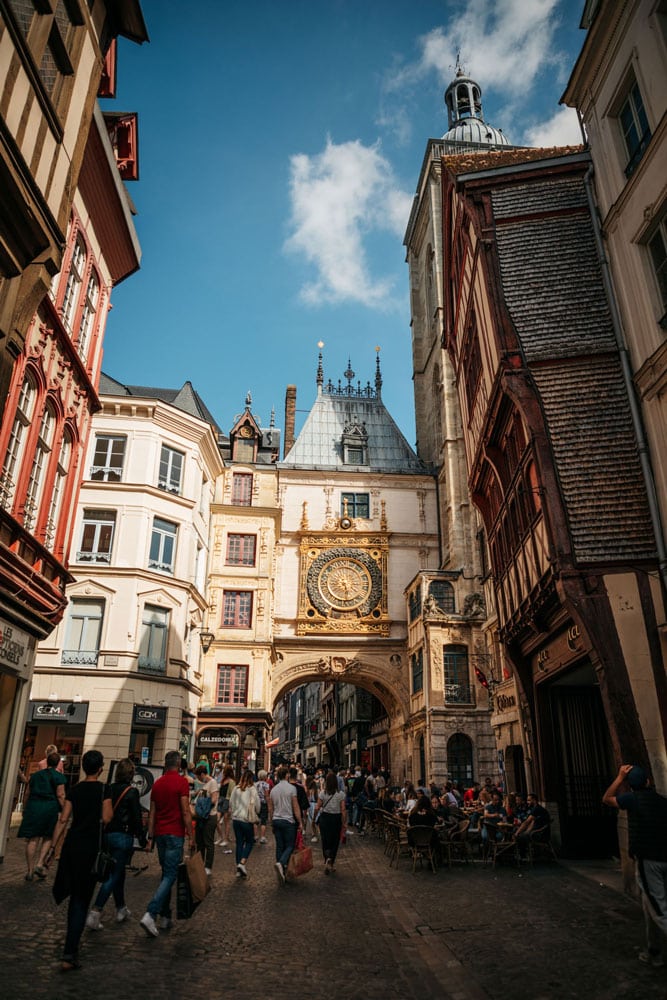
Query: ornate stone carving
{"type": "Point", "coordinates": [474, 606]}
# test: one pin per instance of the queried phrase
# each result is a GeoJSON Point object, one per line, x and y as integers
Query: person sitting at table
{"type": "Point", "coordinates": [423, 814]}
{"type": "Point", "coordinates": [494, 813]}
{"type": "Point", "coordinates": [441, 810]}
{"type": "Point", "coordinates": [409, 796]}
{"type": "Point", "coordinates": [471, 794]}
{"type": "Point", "coordinates": [520, 811]}
{"type": "Point", "coordinates": [536, 825]}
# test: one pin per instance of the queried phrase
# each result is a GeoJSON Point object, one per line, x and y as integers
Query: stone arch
{"type": "Point", "coordinates": [385, 677]}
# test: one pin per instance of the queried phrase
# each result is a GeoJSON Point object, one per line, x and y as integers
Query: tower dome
{"type": "Point", "coordinates": [463, 99]}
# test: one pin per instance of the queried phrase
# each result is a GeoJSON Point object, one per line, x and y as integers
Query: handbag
{"type": "Point", "coordinates": [300, 862]}
{"type": "Point", "coordinates": [185, 904]}
{"type": "Point", "coordinates": [197, 877]}
{"type": "Point", "coordinates": [252, 812]}
{"type": "Point", "coordinates": [104, 863]}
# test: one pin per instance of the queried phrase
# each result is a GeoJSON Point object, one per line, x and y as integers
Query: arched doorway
{"type": "Point", "coordinates": [460, 759]}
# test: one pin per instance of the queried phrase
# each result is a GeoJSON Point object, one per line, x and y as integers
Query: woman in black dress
{"type": "Point", "coordinates": [86, 802]}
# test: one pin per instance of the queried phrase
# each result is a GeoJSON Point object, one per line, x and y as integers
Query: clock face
{"type": "Point", "coordinates": [344, 583]}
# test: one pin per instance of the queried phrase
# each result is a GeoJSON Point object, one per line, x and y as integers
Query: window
{"type": "Point", "coordinates": [237, 609]}
{"type": "Point", "coordinates": [458, 690]}
{"type": "Point", "coordinates": [84, 628]}
{"type": "Point", "coordinates": [417, 662]}
{"type": "Point", "coordinates": [354, 455]}
{"type": "Point", "coordinates": [634, 126]}
{"type": "Point", "coordinates": [97, 536]}
{"type": "Point", "coordinates": [153, 642]}
{"type": "Point", "coordinates": [62, 470]}
{"type": "Point", "coordinates": [657, 246]}
{"type": "Point", "coordinates": [74, 282]}
{"type": "Point", "coordinates": [171, 470]}
{"type": "Point", "coordinates": [108, 458]}
{"type": "Point", "coordinates": [232, 685]}
{"type": "Point", "coordinates": [89, 312]}
{"type": "Point", "coordinates": [242, 489]}
{"type": "Point", "coordinates": [415, 603]}
{"type": "Point", "coordinates": [163, 546]}
{"type": "Point", "coordinates": [48, 28]}
{"type": "Point", "coordinates": [354, 505]}
{"type": "Point", "coordinates": [241, 550]}
{"type": "Point", "coordinates": [17, 440]}
{"type": "Point", "coordinates": [442, 593]}
{"type": "Point", "coordinates": [39, 464]}
{"type": "Point", "coordinates": [459, 759]}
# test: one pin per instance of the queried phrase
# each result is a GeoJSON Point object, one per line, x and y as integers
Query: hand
{"type": "Point", "coordinates": [624, 770]}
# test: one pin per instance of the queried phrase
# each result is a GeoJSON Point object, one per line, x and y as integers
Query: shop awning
{"type": "Point", "coordinates": [272, 743]}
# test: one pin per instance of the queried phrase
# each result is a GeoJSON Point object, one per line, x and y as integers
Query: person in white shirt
{"type": "Point", "coordinates": [285, 816]}
{"type": "Point", "coordinates": [244, 807]}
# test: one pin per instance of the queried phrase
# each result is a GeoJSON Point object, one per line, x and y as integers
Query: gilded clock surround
{"type": "Point", "coordinates": [343, 584]}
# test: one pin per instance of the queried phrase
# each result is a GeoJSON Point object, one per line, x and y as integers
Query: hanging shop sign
{"type": "Point", "coordinates": [149, 715]}
{"type": "Point", "coordinates": [13, 645]}
{"type": "Point", "coordinates": [218, 738]}
{"type": "Point", "coordinates": [71, 713]}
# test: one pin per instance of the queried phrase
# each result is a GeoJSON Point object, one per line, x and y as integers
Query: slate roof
{"type": "Point", "coordinates": [319, 443]}
{"type": "Point", "coordinates": [186, 398]}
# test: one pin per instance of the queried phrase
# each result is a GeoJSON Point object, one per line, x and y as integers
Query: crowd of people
{"type": "Point", "coordinates": [204, 807]}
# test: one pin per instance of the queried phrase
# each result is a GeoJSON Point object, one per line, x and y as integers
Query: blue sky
{"type": "Point", "coordinates": [280, 148]}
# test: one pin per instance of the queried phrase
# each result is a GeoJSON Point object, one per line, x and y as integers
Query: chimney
{"type": "Point", "coordinates": [290, 418]}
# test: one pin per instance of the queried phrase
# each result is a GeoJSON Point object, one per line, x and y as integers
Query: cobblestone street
{"type": "Point", "coordinates": [371, 932]}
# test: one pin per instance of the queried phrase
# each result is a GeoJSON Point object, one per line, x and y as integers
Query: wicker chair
{"type": "Point", "coordinates": [420, 842]}
{"type": "Point", "coordinates": [454, 843]}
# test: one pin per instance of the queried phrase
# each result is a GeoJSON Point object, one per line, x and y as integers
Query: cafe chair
{"type": "Point", "coordinates": [506, 847]}
{"type": "Point", "coordinates": [540, 846]}
{"type": "Point", "coordinates": [420, 842]}
{"type": "Point", "coordinates": [454, 843]}
{"type": "Point", "coordinates": [400, 848]}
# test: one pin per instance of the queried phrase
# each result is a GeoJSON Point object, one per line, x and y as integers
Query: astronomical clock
{"type": "Point", "coordinates": [343, 583]}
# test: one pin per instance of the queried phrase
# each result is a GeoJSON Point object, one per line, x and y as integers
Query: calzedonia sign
{"type": "Point", "coordinates": [149, 715]}
{"type": "Point", "coordinates": [218, 738]}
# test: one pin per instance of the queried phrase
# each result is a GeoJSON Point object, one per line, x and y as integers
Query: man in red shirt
{"type": "Point", "coordinates": [169, 823]}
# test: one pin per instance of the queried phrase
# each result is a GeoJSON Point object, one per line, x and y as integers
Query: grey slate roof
{"type": "Point", "coordinates": [319, 444]}
{"type": "Point", "coordinates": [186, 398]}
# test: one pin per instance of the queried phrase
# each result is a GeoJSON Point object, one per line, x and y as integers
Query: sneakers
{"type": "Point", "coordinates": [262, 840]}
{"type": "Point", "coordinates": [40, 872]}
{"type": "Point", "coordinates": [280, 873]}
{"type": "Point", "coordinates": [227, 850]}
{"type": "Point", "coordinates": [224, 843]}
{"type": "Point", "coordinates": [164, 923]}
{"type": "Point", "coordinates": [240, 870]}
{"type": "Point", "coordinates": [348, 832]}
{"type": "Point", "coordinates": [653, 958]}
{"type": "Point", "coordinates": [207, 870]}
{"type": "Point", "coordinates": [93, 921]}
{"type": "Point", "coordinates": [149, 925]}
{"type": "Point", "coordinates": [218, 842]}
{"type": "Point", "coordinates": [122, 914]}
{"type": "Point", "coordinates": [313, 840]}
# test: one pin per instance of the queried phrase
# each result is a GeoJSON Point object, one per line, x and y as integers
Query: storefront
{"type": "Point", "coordinates": [61, 723]}
{"type": "Point", "coordinates": [147, 722]}
{"type": "Point", "coordinates": [17, 649]}
{"type": "Point", "coordinates": [219, 745]}
{"type": "Point", "coordinates": [506, 722]}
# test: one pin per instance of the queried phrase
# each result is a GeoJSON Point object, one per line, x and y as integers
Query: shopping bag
{"type": "Point", "coordinates": [300, 862]}
{"type": "Point", "coordinates": [185, 904]}
{"type": "Point", "coordinates": [197, 877]}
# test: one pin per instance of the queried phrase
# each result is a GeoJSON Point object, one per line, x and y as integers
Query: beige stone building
{"type": "Point", "coordinates": [122, 671]}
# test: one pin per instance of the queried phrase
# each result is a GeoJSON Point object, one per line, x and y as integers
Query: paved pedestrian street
{"type": "Point", "coordinates": [366, 933]}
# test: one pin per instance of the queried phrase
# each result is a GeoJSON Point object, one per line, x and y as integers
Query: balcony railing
{"type": "Point", "coordinates": [150, 666]}
{"type": "Point", "coordinates": [93, 557]}
{"type": "Point", "coordinates": [459, 694]}
{"type": "Point", "coordinates": [80, 657]}
{"type": "Point", "coordinates": [107, 473]}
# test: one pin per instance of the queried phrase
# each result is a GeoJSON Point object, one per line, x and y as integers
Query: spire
{"type": "Point", "coordinates": [349, 374]}
{"type": "Point", "coordinates": [320, 367]}
{"type": "Point", "coordinates": [378, 374]}
{"type": "Point", "coordinates": [463, 100]}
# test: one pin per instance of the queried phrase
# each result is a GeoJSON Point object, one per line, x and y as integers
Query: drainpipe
{"type": "Point", "coordinates": [637, 422]}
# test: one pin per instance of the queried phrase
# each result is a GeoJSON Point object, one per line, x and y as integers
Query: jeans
{"type": "Point", "coordinates": [245, 838]}
{"type": "Point", "coordinates": [170, 853]}
{"type": "Point", "coordinates": [120, 849]}
{"type": "Point", "coordinates": [285, 835]}
{"type": "Point", "coordinates": [77, 911]}
{"type": "Point", "coordinates": [652, 882]}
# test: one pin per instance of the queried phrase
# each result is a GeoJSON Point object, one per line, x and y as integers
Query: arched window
{"type": "Point", "coordinates": [62, 469]}
{"type": "Point", "coordinates": [74, 282]}
{"type": "Point", "coordinates": [443, 594]}
{"type": "Point", "coordinates": [89, 313]}
{"type": "Point", "coordinates": [39, 467]}
{"type": "Point", "coordinates": [25, 409]}
{"type": "Point", "coordinates": [459, 759]}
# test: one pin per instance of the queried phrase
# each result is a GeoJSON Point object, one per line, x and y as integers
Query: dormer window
{"type": "Point", "coordinates": [245, 444]}
{"type": "Point", "coordinates": [355, 444]}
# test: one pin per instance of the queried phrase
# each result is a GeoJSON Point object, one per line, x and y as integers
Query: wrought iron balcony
{"type": "Point", "coordinates": [459, 694]}
{"type": "Point", "coordinates": [80, 657]}
{"type": "Point", "coordinates": [93, 557]}
{"type": "Point", "coordinates": [147, 665]}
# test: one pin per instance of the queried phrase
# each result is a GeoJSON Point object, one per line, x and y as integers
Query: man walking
{"type": "Point", "coordinates": [285, 816]}
{"type": "Point", "coordinates": [647, 829]}
{"type": "Point", "coordinates": [169, 823]}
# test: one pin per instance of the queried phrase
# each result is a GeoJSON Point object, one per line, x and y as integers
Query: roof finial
{"type": "Point", "coordinates": [349, 374]}
{"type": "Point", "coordinates": [272, 421]}
{"type": "Point", "coordinates": [378, 374]}
{"type": "Point", "coordinates": [248, 399]}
{"type": "Point", "coordinates": [320, 367]}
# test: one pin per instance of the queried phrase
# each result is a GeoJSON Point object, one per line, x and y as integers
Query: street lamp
{"type": "Point", "coordinates": [206, 638]}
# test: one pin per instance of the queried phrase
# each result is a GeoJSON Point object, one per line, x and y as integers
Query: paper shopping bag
{"type": "Point", "coordinates": [185, 904]}
{"type": "Point", "coordinates": [300, 862]}
{"type": "Point", "coordinates": [197, 877]}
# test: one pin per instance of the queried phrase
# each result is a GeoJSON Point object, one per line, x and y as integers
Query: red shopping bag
{"type": "Point", "coordinates": [300, 862]}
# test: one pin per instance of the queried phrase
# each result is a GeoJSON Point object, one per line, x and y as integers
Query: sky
{"type": "Point", "coordinates": [280, 144]}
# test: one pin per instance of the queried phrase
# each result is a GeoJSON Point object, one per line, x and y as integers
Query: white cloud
{"type": "Point", "coordinates": [560, 130]}
{"type": "Point", "coordinates": [338, 199]}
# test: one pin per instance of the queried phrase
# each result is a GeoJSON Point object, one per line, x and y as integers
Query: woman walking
{"type": "Point", "coordinates": [126, 823]}
{"type": "Point", "coordinates": [244, 807]}
{"type": "Point", "coordinates": [86, 803]}
{"type": "Point", "coordinates": [330, 814]}
{"type": "Point", "coordinates": [45, 799]}
{"type": "Point", "coordinates": [227, 785]}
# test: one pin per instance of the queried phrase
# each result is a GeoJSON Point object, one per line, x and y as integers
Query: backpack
{"type": "Point", "coordinates": [203, 806]}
